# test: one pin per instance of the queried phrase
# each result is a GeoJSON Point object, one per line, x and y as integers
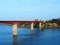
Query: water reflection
{"type": "Point", "coordinates": [32, 39]}
{"type": "Point", "coordinates": [25, 41]}
{"type": "Point", "coordinates": [32, 35]}
{"type": "Point", "coordinates": [32, 32]}
{"type": "Point", "coordinates": [15, 40]}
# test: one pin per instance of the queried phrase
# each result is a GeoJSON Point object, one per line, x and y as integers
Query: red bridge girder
{"type": "Point", "coordinates": [17, 21]}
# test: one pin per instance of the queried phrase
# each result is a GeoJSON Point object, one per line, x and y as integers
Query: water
{"type": "Point", "coordinates": [49, 36]}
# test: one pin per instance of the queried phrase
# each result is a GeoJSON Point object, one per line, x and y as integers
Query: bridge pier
{"type": "Point", "coordinates": [32, 26]}
{"type": "Point", "coordinates": [15, 29]}
{"type": "Point", "coordinates": [40, 26]}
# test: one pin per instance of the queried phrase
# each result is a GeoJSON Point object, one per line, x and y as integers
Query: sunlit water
{"type": "Point", "coordinates": [49, 36]}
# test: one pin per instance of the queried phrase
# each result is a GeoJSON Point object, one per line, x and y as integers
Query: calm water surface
{"type": "Point", "coordinates": [49, 36]}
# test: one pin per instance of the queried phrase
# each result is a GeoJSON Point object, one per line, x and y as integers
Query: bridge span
{"type": "Point", "coordinates": [15, 24]}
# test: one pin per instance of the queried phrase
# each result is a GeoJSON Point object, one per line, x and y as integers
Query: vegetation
{"type": "Point", "coordinates": [57, 21]}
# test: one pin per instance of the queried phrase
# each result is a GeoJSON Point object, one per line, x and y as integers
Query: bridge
{"type": "Point", "coordinates": [15, 24]}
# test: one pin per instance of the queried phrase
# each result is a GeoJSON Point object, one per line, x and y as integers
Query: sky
{"type": "Point", "coordinates": [29, 9]}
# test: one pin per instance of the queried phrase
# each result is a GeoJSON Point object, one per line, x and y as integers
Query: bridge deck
{"type": "Point", "coordinates": [19, 21]}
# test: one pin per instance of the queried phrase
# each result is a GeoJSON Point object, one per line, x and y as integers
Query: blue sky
{"type": "Point", "coordinates": [29, 9]}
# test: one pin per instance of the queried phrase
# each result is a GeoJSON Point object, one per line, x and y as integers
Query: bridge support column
{"type": "Point", "coordinates": [32, 26]}
{"type": "Point", "coordinates": [40, 26]}
{"type": "Point", "coordinates": [15, 29]}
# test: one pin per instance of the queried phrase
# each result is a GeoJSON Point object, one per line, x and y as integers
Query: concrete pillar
{"type": "Point", "coordinates": [32, 26]}
{"type": "Point", "coordinates": [40, 26]}
{"type": "Point", "coordinates": [15, 29]}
